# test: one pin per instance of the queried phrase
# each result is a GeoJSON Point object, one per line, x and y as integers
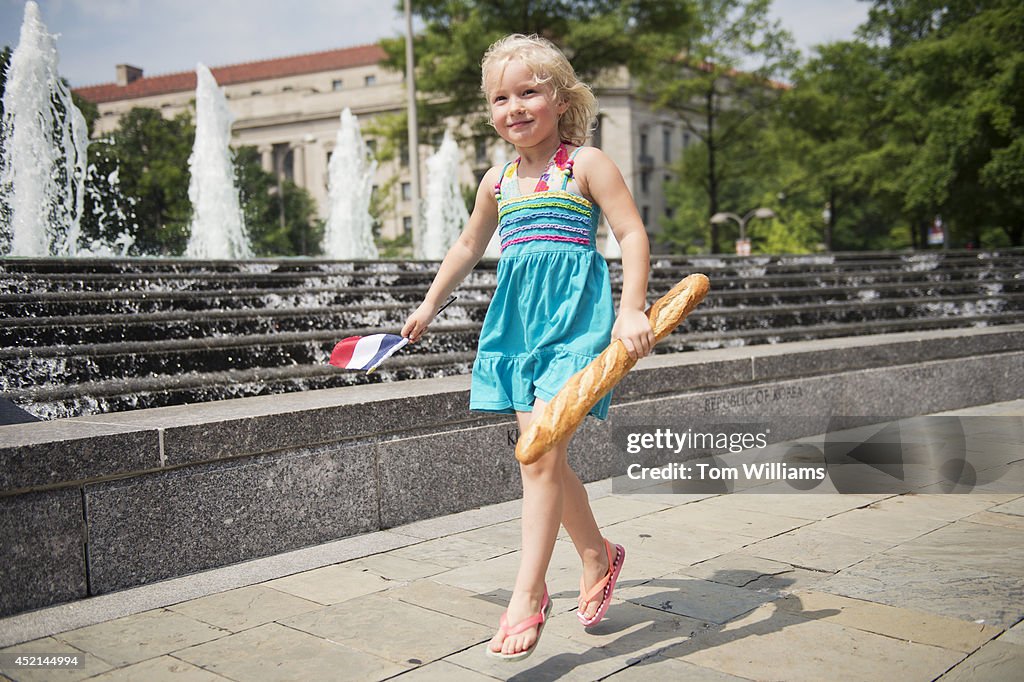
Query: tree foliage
{"type": "Point", "coordinates": [722, 88]}
{"type": "Point", "coordinates": [150, 155]}
{"type": "Point", "coordinates": [594, 34]}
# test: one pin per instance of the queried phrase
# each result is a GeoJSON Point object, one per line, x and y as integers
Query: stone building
{"type": "Point", "coordinates": [289, 109]}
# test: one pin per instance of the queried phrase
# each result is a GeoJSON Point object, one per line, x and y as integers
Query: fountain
{"type": "Point", "coordinates": [43, 165]}
{"type": "Point", "coordinates": [444, 210]}
{"type": "Point", "coordinates": [349, 231]}
{"type": "Point", "coordinates": [218, 226]}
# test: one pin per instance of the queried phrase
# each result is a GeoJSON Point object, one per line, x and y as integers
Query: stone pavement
{"type": "Point", "coordinates": [715, 587]}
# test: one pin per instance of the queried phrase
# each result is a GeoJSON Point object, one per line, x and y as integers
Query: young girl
{"type": "Point", "coordinates": [552, 309]}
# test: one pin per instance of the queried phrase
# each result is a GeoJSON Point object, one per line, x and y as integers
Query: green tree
{"type": "Point", "coordinates": [722, 87]}
{"type": "Point", "coordinates": [280, 218]}
{"type": "Point", "coordinates": [838, 134]}
{"type": "Point", "coordinates": [957, 70]}
{"type": "Point", "coordinates": [151, 155]}
{"type": "Point", "coordinates": [595, 35]}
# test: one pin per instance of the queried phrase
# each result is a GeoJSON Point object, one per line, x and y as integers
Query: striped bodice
{"type": "Point", "coordinates": [549, 217]}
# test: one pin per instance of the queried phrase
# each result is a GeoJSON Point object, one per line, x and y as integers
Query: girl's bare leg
{"type": "Point", "coordinates": [551, 493]}
{"type": "Point", "coordinates": [543, 484]}
{"type": "Point", "coordinates": [579, 522]}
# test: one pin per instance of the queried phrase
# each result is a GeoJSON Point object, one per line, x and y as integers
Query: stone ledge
{"type": "Point", "coordinates": [69, 452]}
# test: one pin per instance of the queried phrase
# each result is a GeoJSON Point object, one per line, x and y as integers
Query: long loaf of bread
{"type": "Point", "coordinates": [566, 411]}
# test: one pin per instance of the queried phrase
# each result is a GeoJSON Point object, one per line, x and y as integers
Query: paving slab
{"type": "Point", "coordinates": [507, 535]}
{"type": "Point", "coordinates": [330, 584]}
{"type": "Point", "coordinates": [398, 631]}
{"type": "Point", "coordinates": [673, 540]}
{"type": "Point", "coordinates": [244, 608]}
{"type": "Point", "coordinates": [642, 565]}
{"type": "Point", "coordinates": [935, 506]}
{"type": "Point", "coordinates": [275, 653]}
{"type": "Point", "coordinates": [1014, 635]}
{"type": "Point", "coordinates": [992, 518]}
{"type": "Point", "coordinates": [91, 664]}
{"type": "Point", "coordinates": [993, 549]}
{"type": "Point", "coordinates": [772, 644]}
{"type": "Point", "coordinates": [145, 635]}
{"type": "Point", "coordinates": [1015, 506]}
{"type": "Point", "coordinates": [814, 549]}
{"type": "Point", "coordinates": [995, 662]}
{"type": "Point", "coordinates": [904, 624]}
{"type": "Point", "coordinates": [443, 671]}
{"type": "Point", "coordinates": [701, 600]}
{"type": "Point", "coordinates": [753, 572]}
{"type": "Point", "coordinates": [956, 591]}
{"type": "Point", "coordinates": [161, 669]}
{"type": "Point", "coordinates": [391, 567]}
{"type": "Point", "coordinates": [873, 523]}
{"type": "Point", "coordinates": [556, 658]}
{"type": "Point", "coordinates": [498, 574]}
{"type": "Point", "coordinates": [812, 507]}
{"type": "Point", "coordinates": [484, 609]}
{"type": "Point", "coordinates": [451, 551]}
{"type": "Point", "coordinates": [729, 520]}
{"type": "Point", "coordinates": [661, 669]}
{"type": "Point", "coordinates": [628, 629]}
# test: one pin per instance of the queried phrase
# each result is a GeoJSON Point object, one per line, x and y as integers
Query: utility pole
{"type": "Point", "coordinates": [414, 137]}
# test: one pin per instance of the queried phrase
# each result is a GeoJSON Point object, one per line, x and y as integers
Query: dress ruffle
{"type": "Point", "coordinates": [519, 380]}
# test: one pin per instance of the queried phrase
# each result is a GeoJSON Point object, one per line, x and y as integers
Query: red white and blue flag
{"type": "Point", "coordinates": [366, 352]}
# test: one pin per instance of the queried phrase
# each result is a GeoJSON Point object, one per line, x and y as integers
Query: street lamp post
{"type": "Point", "coordinates": [742, 244]}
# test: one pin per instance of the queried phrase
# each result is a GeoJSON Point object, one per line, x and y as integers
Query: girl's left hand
{"type": "Point", "coordinates": [634, 330]}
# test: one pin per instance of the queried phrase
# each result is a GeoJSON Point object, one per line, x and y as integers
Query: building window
{"type": "Point", "coordinates": [370, 80]}
{"type": "Point", "coordinates": [645, 182]}
{"type": "Point", "coordinates": [669, 212]}
{"type": "Point", "coordinates": [406, 191]}
{"type": "Point", "coordinates": [686, 140]}
{"type": "Point", "coordinates": [666, 143]}
{"type": "Point", "coordinates": [643, 144]}
{"type": "Point", "coordinates": [596, 136]}
{"type": "Point", "coordinates": [645, 214]}
{"type": "Point", "coordinates": [337, 84]}
{"type": "Point", "coordinates": [371, 146]}
{"type": "Point", "coordinates": [403, 154]}
{"type": "Point", "coordinates": [480, 147]}
{"type": "Point", "coordinates": [407, 224]}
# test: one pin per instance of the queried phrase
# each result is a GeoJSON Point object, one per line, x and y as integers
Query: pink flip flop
{"type": "Point", "coordinates": [537, 619]}
{"type": "Point", "coordinates": [605, 586]}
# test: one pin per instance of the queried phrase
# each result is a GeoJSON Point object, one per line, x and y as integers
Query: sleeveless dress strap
{"type": "Point", "coordinates": [569, 169]}
{"type": "Point", "coordinates": [502, 177]}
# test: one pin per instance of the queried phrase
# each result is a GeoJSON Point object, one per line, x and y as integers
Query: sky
{"type": "Point", "coordinates": [168, 36]}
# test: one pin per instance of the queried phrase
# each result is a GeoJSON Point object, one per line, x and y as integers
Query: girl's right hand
{"type": "Point", "coordinates": [418, 322]}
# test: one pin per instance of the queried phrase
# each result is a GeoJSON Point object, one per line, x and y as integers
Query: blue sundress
{"type": "Point", "coordinates": [552, 310]}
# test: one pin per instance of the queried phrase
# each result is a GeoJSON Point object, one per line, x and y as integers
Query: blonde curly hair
{"type": "Point", "coordinates": [549, 66]}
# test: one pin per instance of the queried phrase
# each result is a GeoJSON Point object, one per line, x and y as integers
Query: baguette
{"type": "Point", "coordinates": [566, 411]}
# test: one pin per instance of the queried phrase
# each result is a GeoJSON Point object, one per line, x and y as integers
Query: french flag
{"type": "Point", "coordinates": [365, 352]}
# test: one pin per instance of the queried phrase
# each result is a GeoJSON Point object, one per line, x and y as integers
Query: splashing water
{"type": "Point", "coordinates": [444, 210]}
{"type": "Point", "coordinates": [43, 164]}
{"type": "Point", "coordinates": [218, 227]}
{"type": "Point", "coordinates": [349, 230]}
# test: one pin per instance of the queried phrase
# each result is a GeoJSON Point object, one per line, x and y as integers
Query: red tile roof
{"type": "Point", "coordinates": [237, 73]}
